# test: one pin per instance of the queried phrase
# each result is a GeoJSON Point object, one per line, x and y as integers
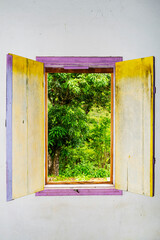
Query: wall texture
{"type": "Point", "coordinates": [128, 28]}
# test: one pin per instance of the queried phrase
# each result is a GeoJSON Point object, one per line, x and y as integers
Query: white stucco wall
{"type": "Point", "coordinates": [128, 28]}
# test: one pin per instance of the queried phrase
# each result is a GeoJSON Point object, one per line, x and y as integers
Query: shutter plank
{"type": "Point", "coordinates": [35, 96]}
{"type": "Point", "coordinates": [19, 128]}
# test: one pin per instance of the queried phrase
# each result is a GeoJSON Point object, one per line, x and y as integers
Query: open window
{"type": "Point", "coordinates": [80, 126]}
{"type": "Point", "coordinates": [133, 127]}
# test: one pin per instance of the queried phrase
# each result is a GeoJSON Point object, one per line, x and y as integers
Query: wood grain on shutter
{"type": "Point", "coordinates": [35, 98]}
{"type": "Point", "coordinates": [19, 127]}
{"type": "Point", "coordinates": [27, 126]}
{"type": "Point", "coordinates": [134, 126]}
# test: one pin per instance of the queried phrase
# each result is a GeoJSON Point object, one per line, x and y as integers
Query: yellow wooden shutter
{"type": "Point", "coordinates": [25, 124]}
{"type": "Point", "coordinates": [134, 125]}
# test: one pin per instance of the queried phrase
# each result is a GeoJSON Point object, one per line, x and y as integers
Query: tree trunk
{"type": "Point", "coordinates": [56, 162]}
{"type": "Point", "coordinates": [50, 165]}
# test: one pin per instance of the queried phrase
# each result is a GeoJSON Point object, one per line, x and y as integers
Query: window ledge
{"type": "Point", "coordinates": [79, 190]}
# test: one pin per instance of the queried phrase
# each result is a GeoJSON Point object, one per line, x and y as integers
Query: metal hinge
{"type": "Point", "coordinates": [154, 160]}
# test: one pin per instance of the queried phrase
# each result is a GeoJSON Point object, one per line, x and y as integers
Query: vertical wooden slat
{"type": "Point", "coordinates": [19, 128]}
{"type": "Point", "coordinates": [46, 128]}
{"type": "Point", "coordinates": [134, 126]}
{"type": "Point", "coordinates": [152, 122]}
{"type": "Point", "coordinates": [111, 164]}
{"type": "Point", "coordinates": [154, 92]}
{"type": "Point", "coordinates": [35, 134]}
{"type": "Point", "coordinates": [9, 128]}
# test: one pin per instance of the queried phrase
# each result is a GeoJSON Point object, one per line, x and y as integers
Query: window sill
{"type": "Point", "coordinates": [79, 190]}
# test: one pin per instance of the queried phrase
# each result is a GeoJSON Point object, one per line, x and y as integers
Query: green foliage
{"type": "Point", "coordinates": [84, 90]}
{"type": "Point", "coordinates": [79, 124]}
{"type": "Point", "coordinates": [66, 126]}
{"type": "Point", "coordinates": [85, 168]}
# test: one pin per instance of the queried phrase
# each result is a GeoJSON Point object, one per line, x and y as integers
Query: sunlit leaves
{"type": "Point", "coordinates": [79, 123]}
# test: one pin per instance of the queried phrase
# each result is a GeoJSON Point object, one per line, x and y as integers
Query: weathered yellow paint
{"type": "Point", "coordinates": [28, 127]}
{"type": "Point", "coordinates": [35, 98]}
{"type": "Point", "coordinates": [134, 126]}
{"type": "Point", "coordinates": [19, 128]}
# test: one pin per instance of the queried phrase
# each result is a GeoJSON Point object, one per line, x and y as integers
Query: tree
{"type": "Point", "coordinates": [67, 127]}
{"type": "Point", "coordinates": [71, 97]}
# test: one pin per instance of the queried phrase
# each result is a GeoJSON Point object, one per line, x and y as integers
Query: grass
{"type": "Point", "coordinates": [76, 179]}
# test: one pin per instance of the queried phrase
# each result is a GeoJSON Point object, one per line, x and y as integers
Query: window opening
{"type": "Point", "coordinates": [80, 126]}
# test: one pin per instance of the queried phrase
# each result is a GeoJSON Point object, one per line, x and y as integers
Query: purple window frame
{"type": "Point", "coordinates": [79, 63]}
{"type": "Point", "coordinates": [9, 128]}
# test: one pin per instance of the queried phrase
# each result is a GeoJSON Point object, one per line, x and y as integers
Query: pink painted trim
{"type": "Point", "coordinates": [78, 192]}
{"type": "Point", "coordinates": [9, 128]}
{"type": "Point", "coordinates": [80, 62]}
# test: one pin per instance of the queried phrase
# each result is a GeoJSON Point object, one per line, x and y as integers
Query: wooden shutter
{"type": "Point", "coordinates": [25, 126]}
{"type": "Point", "coordinates": [134, 99]}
